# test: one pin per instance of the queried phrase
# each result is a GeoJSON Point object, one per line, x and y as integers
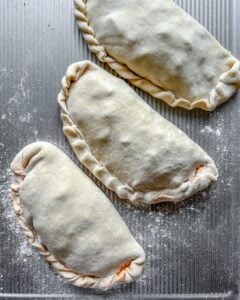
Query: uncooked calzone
{"type": "Point", "coordinates": [161, 49]}
{"type": "Point", "coordinates": [71, 222]}
{"type": "Point", "coordinates": [125, 143]}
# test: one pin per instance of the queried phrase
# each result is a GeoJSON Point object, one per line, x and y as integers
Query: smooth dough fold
{"type": "Point", "coordinates": [71, 222]}
{"type": "Point", "coordinates": [125, 143]}
{"type": "Point", "coordinates": [161, 49]}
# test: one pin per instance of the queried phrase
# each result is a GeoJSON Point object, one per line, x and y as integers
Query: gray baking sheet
{"type": "Point", "coordinates": [192, 249]}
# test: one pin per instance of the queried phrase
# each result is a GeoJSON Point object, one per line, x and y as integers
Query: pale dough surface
{"type": "Point", "coordinates": [163, 45]}
{"type": "Point", "coordinates": [149, 156]}
{"type": "Point", "coordinates": [74, 220]}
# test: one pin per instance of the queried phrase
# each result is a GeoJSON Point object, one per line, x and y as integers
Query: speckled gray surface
{"type": "Point", "coordinates": [192, 248]}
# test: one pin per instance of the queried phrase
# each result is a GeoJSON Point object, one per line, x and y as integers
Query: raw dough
{"type": "Point", "coordinates": [161, 49]}
{"type": "Point", "coordinates": [125, 143]}
{"type": "Point", "coordinates": [71, 222]}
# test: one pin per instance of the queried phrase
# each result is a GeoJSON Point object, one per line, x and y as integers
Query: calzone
{"type": "Point", "coordinates": [71, 222]}
{"type": "Point", "coordinates": [125, 143]}
{"type": "Point", "coordinates": [161, 49]}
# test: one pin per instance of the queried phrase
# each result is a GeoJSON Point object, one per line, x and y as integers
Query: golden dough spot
{"type": "Point", "coordinates": [232, 73]}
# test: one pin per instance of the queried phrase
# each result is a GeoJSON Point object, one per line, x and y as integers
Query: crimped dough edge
{"type": "Point", "coordinates": [226, 87]}
{"type": "Point", "coordinates": [201, 179]}
{"type": "Point", "coordinates": [131, 272]}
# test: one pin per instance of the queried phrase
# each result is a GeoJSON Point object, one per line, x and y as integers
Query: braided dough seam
{"type": "Point", "coordinates": [226, 87]}
{"type": "Point", "coordinates": [126, 273]}
{"type": "Point", "coordinates": [199, 181]}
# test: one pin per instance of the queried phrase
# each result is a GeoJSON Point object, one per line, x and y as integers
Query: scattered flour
{"type": "Point", "coordinates": [15, 111]}
{"type": "Point", "coordinates": [3, 76]}
{"type": "Point", "coordinates": [8, 212]}
{"type": "Point", "coordinates": [210, 130]}
{"type": "Point", "coordinates": [218, 129]}
{"type": "Point", "coordinates": [26, 117]}
{"type": "Point", "coordinates": [8, 218]}
{"type": "Point", "coordinates": [207, 129]}
{"type": "Point", "coordinates": [25, 249]}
